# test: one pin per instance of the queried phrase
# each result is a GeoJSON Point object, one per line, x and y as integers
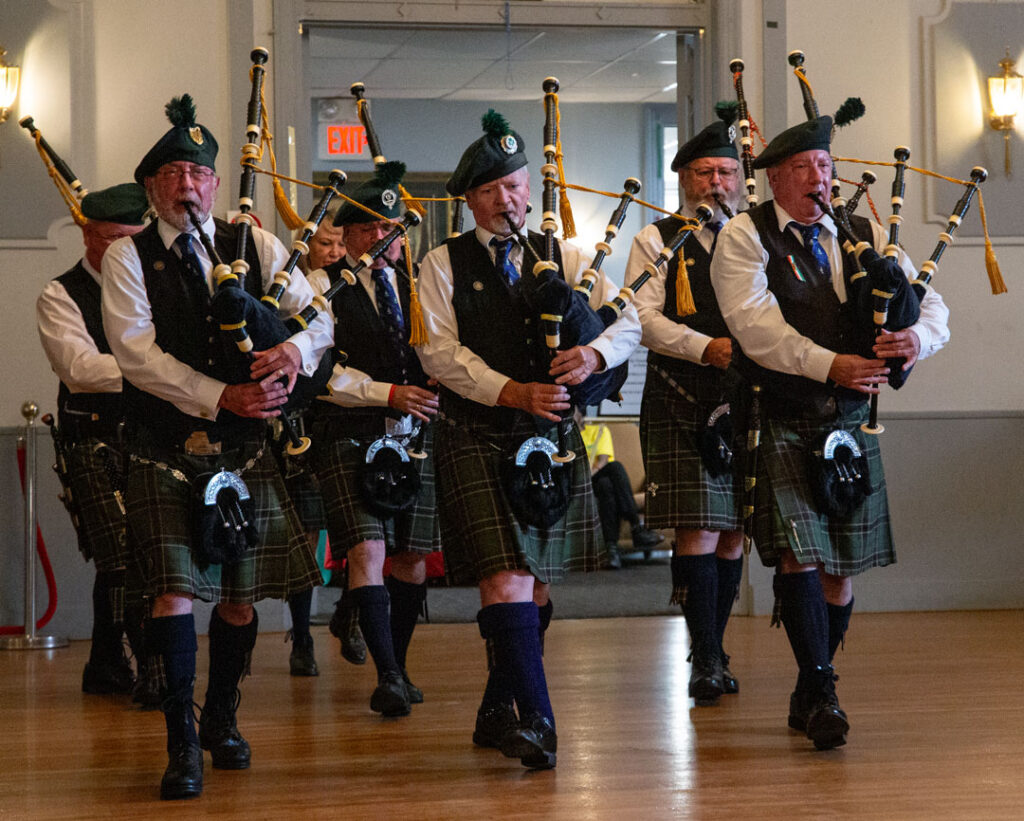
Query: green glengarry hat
{"type": "Point", "coordinates": [810, 135]}
{"type": "Point", "coordinates": [187, 141]}
{"type": "Point", "coordinates": [499, 152]}
{"type": "Point", "coordinates": [380, 193]}
{"type": "Point", "coordinates": [717, 140]}
{"type": "Point", "coordinates": [125, 204]}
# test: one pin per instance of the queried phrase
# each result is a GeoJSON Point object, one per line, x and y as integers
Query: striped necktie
{"type": "Point", "coordinates": [810, 235]}
{"type": "Point", "coordinates": [196, 279]}
{"type": "Point", "coordinates": [389, 309]}
{"type": "Point", "coordinates": [502, 262]}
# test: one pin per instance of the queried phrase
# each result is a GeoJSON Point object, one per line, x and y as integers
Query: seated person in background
{"type": "Point", "coordinates": [614, 493]}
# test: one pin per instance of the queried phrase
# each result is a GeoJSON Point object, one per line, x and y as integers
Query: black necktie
{"type": "Point", "coordinates": [196, 279]}
{"type": "Point", "coordinates": [715, 228]}
{"type": "Point", "coordinates": [810, 235]}
{"type": "Point", "coordinates": [502, 262]}
{"type": "Point", "coordinates": [389, 309]}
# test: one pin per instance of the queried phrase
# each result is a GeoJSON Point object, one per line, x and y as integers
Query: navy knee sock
{"type": "Point", "coordinates": [106, 645]}
{"type": "Point", "coordinates": [695, 584]}
{"type": "Point", "coordinates": [805, 618]}
{"type": "Point", "coordinates": [230, 652]}
{"type": "Point", "coordinates": [730, 571]}
{"type": "Point", "coordinates": [374, 620]}
{"type": "Point", "coordinates": [838, 622]}
{"type": "Point", "coordinates": [172, 641]}
{"type": "Point", "coordinates": [406, 605]}
{"type": "Point", "coordinates": [544, 614]}
{"type": "Point", "coordinates": [515, 630]}
{"type": "Point", "coordinates": [299, 606]}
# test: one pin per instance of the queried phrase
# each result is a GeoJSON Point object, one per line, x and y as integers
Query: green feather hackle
{"type": "Point", "coordinates": [389, 174]}
{"type": "Point", "coordinates": [852, 109]}
{"type": "Point", "coordinates": [727, 111]}
{"type": "Point", "coordinates": [181, 111]}
{"type": "Point", "coordinates": [494, 124]}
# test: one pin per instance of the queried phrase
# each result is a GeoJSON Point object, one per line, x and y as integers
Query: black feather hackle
{"type": "Point", "coordinates": [181, 111]}
{"type": "Point", "coordinates": [494, 124]}
{"type": "Point", "coordinates": [727, 111]}
{"type": "Point", "coordinates": [390, 173]}
{"type": "Point", "coordinates": [852, 109]}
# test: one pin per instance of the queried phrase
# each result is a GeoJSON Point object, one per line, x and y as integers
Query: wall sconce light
{"type": "Point", "coordinates": [1005, 96]}
{"type": "Point", "coordinates": [9, 78]}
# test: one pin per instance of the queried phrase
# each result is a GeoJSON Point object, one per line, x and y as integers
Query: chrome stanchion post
{"type": "Point", "coordinates": [30, 641]}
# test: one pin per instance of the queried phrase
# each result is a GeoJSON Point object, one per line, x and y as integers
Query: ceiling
{"type": "Point", "coordinates": [592, 65]}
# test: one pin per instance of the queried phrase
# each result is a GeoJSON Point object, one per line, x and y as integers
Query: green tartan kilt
{"type": "Point", "coordinates": [680, 493]}
{"type": "Point", "coordinates": [348, 520]}
{"type": "Point", "coordinates": [785, 515]}
{"type": "Point", "coordinates": [160, 530]}
{"type": "Point", "coordinates": [481, 533]}
{"type": "Point", "coordinates": [101, 535]}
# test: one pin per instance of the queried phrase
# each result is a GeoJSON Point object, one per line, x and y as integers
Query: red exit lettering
{"type": "Point", "coordinates": [345, 140]}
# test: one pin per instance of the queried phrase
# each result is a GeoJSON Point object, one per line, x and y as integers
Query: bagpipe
{"type": "Point", "coordinates": [70, 187]}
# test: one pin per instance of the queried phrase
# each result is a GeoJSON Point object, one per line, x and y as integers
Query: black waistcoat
{"type": "Point", "coordinates": [72, 408]}
{"type": "Point", "coordinates": [811, 307]}
{"type": "Point", "coordinates": [708, 318]}
{"type": "Point", "coordinates": [185, 330]}
{"type": "Point", "coordinates": [495, 321]}
{"type": "Point", "coordinates": [360, 341]}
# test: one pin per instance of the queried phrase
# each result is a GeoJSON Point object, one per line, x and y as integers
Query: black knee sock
{"type": "Point", "coordinates": [695, 587]}
{"type": "Point", "coordinates": [805, 618]}
{"type": "Point", "coordinates": [230, 651]}
{"type": "Point", "coordinates": [514, 628]}
{"type": "Point", "coordinates": [729, 573]}
{"type": "Point", "coordinates": [375, 622]}
{"type": "Point", "coordinates": [106, 647]}
{"type": "Point", "coordinates": [838, 621]}
{"type": "Point", "coordinates": [406, 604]}
{"type": "Point", "coordinates": [171, 640]}
{"type": "Point", "coordinates": [299, 606]}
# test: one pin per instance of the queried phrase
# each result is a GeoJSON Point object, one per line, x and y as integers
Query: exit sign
{"type": "Point", "coordinates": [342, 140]}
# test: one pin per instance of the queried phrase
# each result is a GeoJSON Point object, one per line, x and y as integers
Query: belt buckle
{"type": "Point", "coordinates": [199, 444]}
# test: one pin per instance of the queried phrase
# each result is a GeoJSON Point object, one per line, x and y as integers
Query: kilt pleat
{"type": "Point", "coordinates": [101, 536]}
{"type": "Point", "coordinates": [481, 533]}
{"type": "Point", "coordinates": [786, 518]}
{"type": "Point", "coordinates": [159, 528]}
{"type": "Point", "coordinates": [680, 493]}
{"type": "Point", "coordinates": [348, 520]}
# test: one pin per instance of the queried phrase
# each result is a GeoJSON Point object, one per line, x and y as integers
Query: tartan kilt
{"type": "Point", "coordinates": [481, 533]}
{"type": "Point", "coordinates": [785, 516]}
{"type": "Point", "coordinates": [679, 491]}
{"type": "Point", "coordinates": [101, 535]}
{"type": "Point", "coordinates": [159, 529]}
{"type": "Point", "coordinates": [349, 522]}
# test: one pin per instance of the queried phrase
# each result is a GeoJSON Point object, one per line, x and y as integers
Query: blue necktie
{"type": "Point", "coordinates": [502, 263]}
{"type": "Point", "coordinates": [715, 228]}
{"type": "Point", "coordinates": [197, 279]}
{"type": "Point", "coordinates": [810, 235]}
{"type": "Point", "coordinates": [389, 309]}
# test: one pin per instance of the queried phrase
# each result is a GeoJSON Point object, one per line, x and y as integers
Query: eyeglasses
{"type": "Point", "coordinates": [196, 172]}
{"type": "Point", "coordinates": [706, 174]}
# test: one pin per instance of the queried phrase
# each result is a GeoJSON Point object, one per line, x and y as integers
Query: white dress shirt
{"type": "Point", "coordinates": [72, 353]}
{"type": "Point", "coordinates": [752, 312]}
{"type": "Point", "coordinates": [128, 321]}
{"type": "Point", "coordinates": [463, 371]}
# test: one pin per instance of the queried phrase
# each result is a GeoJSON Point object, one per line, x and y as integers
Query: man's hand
{"type": "Point", "coordinates": [898, 345]}
{"type": "Point", "coordinates": [718, 353]}
{"type": "Point", "coordinates": [571, 367]}
{"type": "Point", "coordinates": [417, 401]}
{"type": "Point", "coordinates": [538, 398]}
{"type": "Point", "coordinates": [257, 400]}
{"type": "Point", "coordinates": [857, 373]}
{"type": "Point", "coordinates": [283, 359]}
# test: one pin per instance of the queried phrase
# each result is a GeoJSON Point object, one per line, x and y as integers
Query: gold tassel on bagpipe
{"type": "Point", "coordinates": [564, 208]}
{"type": "Point", "coordinates": [685, 306]}
{"type": "Point", "coordinates": [284, 208]}
{"type": "Point", "coordinates": [417, 325]}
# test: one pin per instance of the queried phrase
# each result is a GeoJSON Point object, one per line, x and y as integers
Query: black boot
{"type": "Point", "coordinates": [407, 602]}
{"type": "Point", "coordinates": [496, 717]}
{"type": "Point", "coordinates": [230, 651]}
{"type": "Point", "coordinates": [344, 626]}
{"type": "Point", "coordinates": [108, 670]}
{"type": "Point", "coordinates": [391, 698]}
{"type": "Point", "coordinates": [695, 588]}
{"type": "Point", "coordinates": [171, 645]}
{"type": "Point", "coordinates": [730, 571]}
{"type": "Point", "coordinates": [827, 724]}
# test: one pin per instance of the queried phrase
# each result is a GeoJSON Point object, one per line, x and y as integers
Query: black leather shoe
{"type": "Point", "coordinates": [183, 777]}
{"type": "Point", "coordinates": [534, 743]}
{"type": "Point", "coordinates": [493, 724]}
{"type": "Point", "coordinates": [644, 539]}
{"type": "Point", "coordinates": [146, 692]}
{"type": "Point", "coordinates": [730, 684]}
{"type": "Point", "coordinates": [614, 560]}
{"type": "Point", "coordinates": [344, 626]}
{"type": "Point", "coordinates": [302, 662]}
{"type": "Point", "coordinates": [100, 679]}
{"type": "Point", "coordinates": [798, 708]}
{"type": "Point", "coordinates": [827, 724]}
{"type": "Point", "coordinates": [415, 693]}
{"type": "Point", "coordinates": [391, 698]}
{"type": "Point", "coordinates": [706, 684]}
{"type": "Point", "coordinates": [219, 734]}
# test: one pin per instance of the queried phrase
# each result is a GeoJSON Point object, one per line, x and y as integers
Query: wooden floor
{"type": "Point", "coordinates": [935, 703]}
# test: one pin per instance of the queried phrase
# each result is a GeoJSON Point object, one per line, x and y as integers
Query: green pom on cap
{"type": "Point", "coordinates": [852, 109]}
{"type": "Point", "coordinates": [727, 111]}
{"type": "Point", "coordinates": [494, 124]}
{"type": "Point", "coordinates": [181, 111]}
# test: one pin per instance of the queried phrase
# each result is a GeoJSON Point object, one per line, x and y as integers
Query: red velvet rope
{"type": "Point", "coordinates": [44, 558]}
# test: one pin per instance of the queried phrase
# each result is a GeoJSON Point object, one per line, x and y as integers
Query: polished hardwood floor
{"type": "Point", "coordinates": [934, 699]}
